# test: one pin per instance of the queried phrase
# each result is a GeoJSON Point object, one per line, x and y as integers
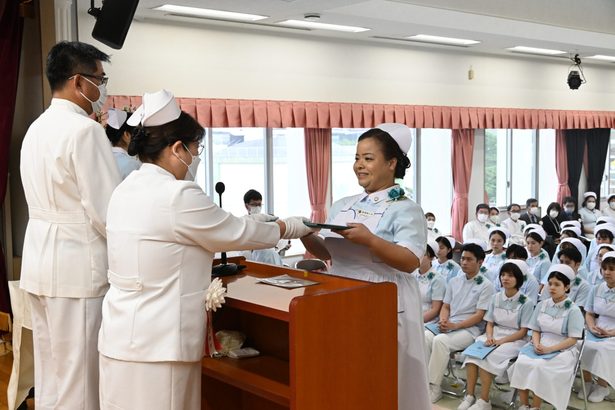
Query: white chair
{"type": "Point", "coordinates": [312, 265]}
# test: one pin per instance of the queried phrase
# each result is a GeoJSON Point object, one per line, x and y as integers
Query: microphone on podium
{"type": "Point", "coordinates": [224, 268]}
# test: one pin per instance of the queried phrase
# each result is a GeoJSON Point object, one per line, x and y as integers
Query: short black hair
{"type": "Point", "coordinates": [607, 262]}
{"type": "Point", "coordinates": [430, 252]}
{"type": "Point", "coordinates": [530, 201]}
{"type": "Point", "coordinates": [554, 205]}
{"type": "Point", "coordinates": [493, 208]}
{"type": "Point", "coordinates": [604, 233]}
{"type": "Point", "coordinates": [115, 135]}
{"type": "Point", "coordinates": [148, 142]}
{"type": "Point", "coordinates": [571, 253]}
{"type": "Point", "coordinates": [499, 232]}
{"type": "Point", "coordinates": [482, 206]}
{"type": "Point", "coordinates": [569, 199]}
{"type": "Point", "coordinates": [68, 58]}
{"type": "Point", "coordinates": [561, 277]}
{"type": "Point", "coordinates": [509, 207]}
{"type": "Point", "coordinates": [515, 251]}
{"type": "Point", "coordinates": [475, 250]}
{"type": "Point", "coordinates": [569, 232]}
{"type": "Point", "coordinates": [510, 267]}
{"type": "Point", "coordinates": [443, 241]}
{"type": "Point", "coordinates": [252, 194]}
{"type": "Point", "coordinates": [430, 214]}
{"type": "Point", "coordinates": [535, 237]}
{"type": "Point", "coordinates": [390, 149]}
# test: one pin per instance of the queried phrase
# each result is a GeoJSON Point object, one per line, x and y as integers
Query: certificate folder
{"type": "Point", "coordinates": [433, 328]}
{"type": "Point", "coordinates": [478, 350]}
{"type": "Point", "coordinates": [528, 350]}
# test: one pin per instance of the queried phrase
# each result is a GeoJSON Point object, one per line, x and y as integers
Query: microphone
{"type": "Point", "coordinates": [224, 268]}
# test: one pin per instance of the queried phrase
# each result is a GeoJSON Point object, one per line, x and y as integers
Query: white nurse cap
{"type": "Point", "coordinates": [588, 194]}
{"type": "Point", "coordinates": [605, 227]}
{"type": "Point", "coordinates": [563, 269]}
{"type": "Point", "coordinates": [523, 266]}
{"type": "Point", "coordinates": [451, 241]}
{"type": "Point", "coordinates": [577, 231]}
{"type": "Point", "coordinates": [116, 118]}
{"type": "Point", "coordinates": [606, 219]}
{"type": "Point", "coordinates": [538, 231]}
{"type": "Point", "coordinates": [577, 244]}
{"type": "Point", "coordinates": [607, 255]}
{"type": "Point", "coordinates": [433, 245]}
{"type": "Point", "coordinates": [499, 229]}
{"type": "Point", "coordinates": [531, 226]}
{"type": "Point", "coordinates": [400, 133]}
{"type": "Point", "coordinates": [479, 242]}
{"type": "Point", "coordinates": [157, 109]}
{"type": "Point", "coordinates": [576, 224]}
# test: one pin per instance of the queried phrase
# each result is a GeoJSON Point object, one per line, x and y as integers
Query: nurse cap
{"type": "Point", "coordinates": [606, 219]}
{"type": "Point", "coordinates": [479, 242]}
{"type": "Point", "coordinates": [608, 255]}
{"type": "Point", "coordinates": [610, 197]}
{"type": "Point", "coordinates": [577, 244]}
{"type": "Point", "coordinates": [116, 118]}
{"type": "Point", "coordinates": [588, 194]}
{"type": "Point", "coordinates": [563, 269]}
{"type": "Point", "coordinates": [400, 133]}
{"type": "Point", "coordinates": [531, 226]}
{"type": "Point", "coordinates": [570, 223]}
{"type": "Point", "coordinates": [605, 227]}
{"type": "Point", "coordinates": [605, 245]}
{"type": "Point", "coordinates": [538, 231]}
{"type": "Point", "coordinates": [433, 245]}
{"type": "Point", "coordinates": [451, 241]}
{"type": "Point", "coordinates": [523, 266]}
{"type": "Point", "coordinates": [499, 229]}
{"type": "Point", "coordinates": [157, 109]}
{"type": "Point", "coordinates": [574, 229]}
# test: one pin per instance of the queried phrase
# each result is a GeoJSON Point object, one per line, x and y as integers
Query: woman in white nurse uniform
{"type": "Point", "coordinates": [507, 319]}
{"type": "Point", "coordinates": [494, 261]}
{"type": "Point", "coordinates": [556, 324]}
{"type": "Point", "coordinates": [118, 133]}
{"type": "Point", "coordinates": [162, 233]}
{"type": "Point", "coordinates": [386, 238]}
{"type": "Point", "coordinates": [599, 356]}
{"type": "Point", "coordinates": [431, 284]}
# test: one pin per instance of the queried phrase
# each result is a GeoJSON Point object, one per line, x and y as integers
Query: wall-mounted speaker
{"type": "Point", "coordinates": [113, 21]}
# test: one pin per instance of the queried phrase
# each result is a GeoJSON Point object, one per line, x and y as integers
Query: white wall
{"type": "Point", "coordinates": [217, 62]}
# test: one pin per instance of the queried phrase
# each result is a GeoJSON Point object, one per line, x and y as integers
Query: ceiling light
{"type": "Point", "coordinates": [321, 26]}
{"type": "Point", "coordinates": [443, 40]}
{"type": "Point", "coordinates": [603, 58]}
{"type": "Point", "coordinates": [534, 50]}
{"type": "Point", "coordinates": [210, 13]}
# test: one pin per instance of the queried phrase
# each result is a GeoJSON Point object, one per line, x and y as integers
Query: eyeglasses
{"type": "Point", "coordinates": [103, 80]}
{"type": "Point", "coordinates": [199, 150]}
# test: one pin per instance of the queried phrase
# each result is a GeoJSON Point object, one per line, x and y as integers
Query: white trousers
{"type": "Point", "coordinates": [439, 348]}
{"type": "Point", "coordinates": [149, 386]}
{"type": "Point", "coordinates": [65, 334]}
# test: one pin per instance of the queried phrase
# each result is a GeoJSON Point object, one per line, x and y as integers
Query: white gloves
{"type": "Point", "coordinates": [295, 228]}
{"type": "Point", "coordinates": [214, 296]}
{"type": "Point", "coordinates": [261, 217]}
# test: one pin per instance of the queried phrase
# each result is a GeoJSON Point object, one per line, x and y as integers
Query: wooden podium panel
{"type": "Point", "coordinates": [332, 345]}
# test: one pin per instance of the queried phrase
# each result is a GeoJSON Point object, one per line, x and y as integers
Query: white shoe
{"type": "Point", "coordinates": [588, 390]}
{"type": "Point", "coordinates": [598, 394]}
{"type": "Point", "coordinates": [435, 393]}
{"type": "Point", "coordinates": [481, 405]}
{"type": "Point", "coordinates": [467, 402]}
{"type": "Point", "coordinates": [523, 407]}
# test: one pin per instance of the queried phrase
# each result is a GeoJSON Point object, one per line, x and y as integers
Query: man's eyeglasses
{"type": "Point", "coordinates": [200, 149]}
{"type": "Point", "coordinates": [103, 80]}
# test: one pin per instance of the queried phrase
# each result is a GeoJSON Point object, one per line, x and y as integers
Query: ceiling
{"type": "Point", "coordinates": [575, 26]}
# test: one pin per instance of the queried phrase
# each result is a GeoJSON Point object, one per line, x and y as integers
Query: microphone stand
{"type": "Point", "coordinates": [224, 268]}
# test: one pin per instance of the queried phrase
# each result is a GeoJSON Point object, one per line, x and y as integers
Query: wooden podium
{"type": "Point", "coordinates": [332, 345]}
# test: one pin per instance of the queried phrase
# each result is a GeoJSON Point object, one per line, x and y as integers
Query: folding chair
{"type": "Point", "coordinates": [579, 368]}
{"type": "Point", "coordinates": [453, 384]}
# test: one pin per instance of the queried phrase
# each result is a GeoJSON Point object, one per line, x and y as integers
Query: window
{"type": "Point", "coordinates": [290, 189]}
{"type": "Point", "coordinates": [343, 149]}
{"type": "Point", "coordinates": [608, 184]}
{"type": "Point", "coordinates": [496, 166]}
{"type": "Point", "coordinates": [547, 175]}
{"type": "Point", "coordinates": [238, 160]}
{"type": "Point", "coordinates": [523, 165]}
{"type": "Point", "coordinates": [436, 175]}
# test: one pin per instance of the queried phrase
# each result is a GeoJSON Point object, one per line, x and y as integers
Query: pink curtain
{"type": "Point", "coordinates": [561, 165]}
{"type": "Point", "coordinates": [304, 114]}
{"type": "Point", "coordinates": [463, 144]}
{"type": "Point", "coordinates": [317, 160]}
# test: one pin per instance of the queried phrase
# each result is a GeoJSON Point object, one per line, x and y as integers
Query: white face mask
{"type": "Point", "coordinates": [191, 174]}
{"type": "Point", "coordinates": [534, 210]}
{"type": "Point", "coordinates": [494, 218]}
{"type": "Point", "coordinates": [515, 216]}
{"type": "Point", "coordinates": [553, 213]}
{"type": "Point", "coordinates": [591, 205]}
{"type": "Point", "coordinates": [569, 209]}
{"type": "Point", "coordinates": [431, 224]}
{"type": "Point", "coordinates": [97, 105]}
{"type": "Point", "coordinates": [612, 205]}
{"type": "Point", "coordinates": [254, 210]}
{"type": "Point", "coordinates": [482, 218]}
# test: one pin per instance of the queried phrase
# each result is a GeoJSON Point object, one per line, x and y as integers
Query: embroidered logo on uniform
{"type": "Point", "coordinates": [449, 266]}
{"type": "Point", "coordinates": [542, 255]}
{"type": "Point", "coordinates": [503, 256]}
{"type": "Point", "coordinates": [430, 275]}
{"type": "Point", "coordinates": [577, 281]}
{"type": "Point", "coordinates": [483, 269]}
{"type": "Point", "coordinates": [522, 299]}
{"type": "Point", "coordinates": [478, 279]}
{"type": "Point", "coordinates": [567, 304]}
{"type": "Point", "coordinates": [396, 194]}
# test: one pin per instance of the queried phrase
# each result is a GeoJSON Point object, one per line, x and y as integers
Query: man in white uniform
{"type": "Point", "coordinates": [515, 225]}
{"type": "Point", "coordinates": [479, 228]}
{"type": "Point", "coordinates": [68, 174]}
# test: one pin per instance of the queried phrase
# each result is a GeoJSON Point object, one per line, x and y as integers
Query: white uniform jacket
{"type": "Point", "coordinates": [68, 174]}
{"type": "Point", "coordinates": [162, 236]}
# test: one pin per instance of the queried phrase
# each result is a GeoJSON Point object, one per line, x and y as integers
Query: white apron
{"type": "Point", "coordinates": [425, 291]}
{"type": "Point", "coordinates": [506, 323]}
{"type": "Point", "coordinates": [356, 261]}
{"type": "Point", "coordinates": [599, 357]}
{"type": "Point", "coordinates": [550, 379]}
